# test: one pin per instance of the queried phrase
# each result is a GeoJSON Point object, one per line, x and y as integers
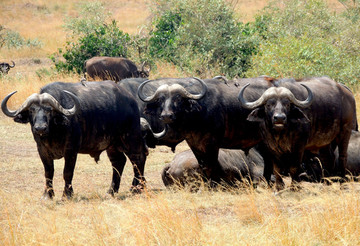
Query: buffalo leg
{"type": "Point", "coordinates": [118, 161]}
{"type": "Point", "coordinates": [342, 147]}
{"type": "Point", "coordinates": [68, 174]}
{"type": "Point", "coordinates": [279, 182]}
{"type": "Point", "coordinates": [49, 175]}
{"type": "Point", "coordinates": [138, 162]}
{"type": "Point", "coordinates": [268, 164]}
{"type": "Point", "coordinates": [209, 164]}
{"type": "Point", "coordinates": [327, 157]}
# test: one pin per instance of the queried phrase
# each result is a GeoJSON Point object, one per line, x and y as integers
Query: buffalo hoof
{"type": "Point", "coordinates": [279, 186]}
{"type": "Point", "coordinates": [138, 189]}
{"type": "Point", "coordinates": [48, 194]}
{"type": "Point", "coordinates": [68, 193]}
{"type": "Point", "coordinates": [295, 186]}
{"type": "Point", "coordinates": [111, 192]}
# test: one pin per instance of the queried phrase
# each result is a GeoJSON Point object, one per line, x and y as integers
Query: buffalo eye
{"type": "Point", "coordinates": [270, 104]}
{"type": "Point", "coordinates": [286, 103]}
{"type": "Point", "coordinates": [159, 100]}
{"type": "Point", "coordinates": [177, 99]}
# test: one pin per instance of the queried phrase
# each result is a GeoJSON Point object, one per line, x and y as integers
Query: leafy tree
{"type": "Point", "coordinates": [201, 36]}
{"type": "Point", "coordinates": [302, 38]}
{"type": "Point", "coordinates": [91, 36]}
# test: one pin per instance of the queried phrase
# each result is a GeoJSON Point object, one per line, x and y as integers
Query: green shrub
{"type": "Point", "coordinates": [201, 37]}
{"type": "Point", "coordinates": [12, 39]}
{"type": "Point", "coordinates": [162, 38]}
{"type": "Point", "coordinates": [92, 16]}
{"type": "Point", "coordinates": [306, 38]}
{"type": "Point", "coordinates": [91, 37]}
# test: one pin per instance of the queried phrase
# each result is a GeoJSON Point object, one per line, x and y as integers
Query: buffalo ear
{"type": "Point", "coordinates": [257, 115]}
{"type": "Point", "coordinates": [297, 115]}
{"type": "Point", "coordinates": [22, 117]}
{"type": "Point", "coordinates": [194, 106]}
{"type": "Point", "coordinates": [60, 120]}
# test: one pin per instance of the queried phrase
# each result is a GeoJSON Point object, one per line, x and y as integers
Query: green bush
{"type": "Point", "coordinates": [162, 38]}
{"type": "Point", "coordinates": [12, 39]}
{"type": "Point", "coordinates": [91, 37]}
{"type": "Point", "coordinates": [92, 16]}
{"type": "Point", "coordinates": [306, 38]}
{"type": "Point", "coordinates": [107, 40]}
{"type": "Point", "coordinates": [201, 37]}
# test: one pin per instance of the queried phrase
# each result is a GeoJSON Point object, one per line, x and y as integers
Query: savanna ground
{"type": "Point", "coordinates": [315, 215]}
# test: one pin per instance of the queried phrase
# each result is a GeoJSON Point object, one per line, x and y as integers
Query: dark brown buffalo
{"type": "Point", "coordinates": [353, 159]}
{"type": "Point", "coordinates": [114, 68]}
{"type": "Point", "coordinates": [68, 118]}
{"type": "Point", "coordinates": [5, 67]}
{"type": "Point", "coordinates": [207, 115]}
{"type": "Point", "coordinates": [235, 164]}
{"type": "Point", "coordinates": [308, 114]}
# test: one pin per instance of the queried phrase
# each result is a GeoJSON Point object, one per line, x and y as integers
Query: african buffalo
{"type": "Point", "coordinates": [235, 164]}
{"type": "Point", "coordinates": [68, 118]}
{"type": "Point", "coordinates": [5, 67]}
{"type": "Point", "coordinates": [114, 68]}
{"type": "Point", "coordinates": [150, 122]}
{"type": "Point", "coordinates": [291, 126]}
{"type": "Point", "coordinates": [352, 167]}
{"type": "Point", "coordinates": [207, 115]}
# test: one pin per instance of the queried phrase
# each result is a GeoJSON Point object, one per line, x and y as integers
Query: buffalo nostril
{"type": "Point", "coordinates": [40, 128]}
{"type": "Point", "coordinates": [167, 118]}
{"type": "Point", "coordinates": [279, 118]}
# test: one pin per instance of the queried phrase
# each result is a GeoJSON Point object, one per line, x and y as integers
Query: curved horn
{"type": "Point", "coordinates": [250, 105]}
{"type": "Point", "coordinates": [31, 99]}
{"type": "Point", "coordinates": [145, 126]}
{"type": "Point", "coordinates": [142, 66]}
{"type": "Point", "coordinates": [143, 69]}
{"type": "Point", "coordinates": [12, 65]}
{"type": "Point", "coordinates": [141, 93]}
{"type": "Point", "coordinates": [307, 102]}
{"type": "Point", "coordinates": [162, 133]}
{"type": "Point", "coordinates": [203, 90]}
{"type": "Point", "coordinates": [260, 101]}
{"type": "Point", "coordinates": [221, 77]}
{"type": "Point", "coordinates": [47, 98]}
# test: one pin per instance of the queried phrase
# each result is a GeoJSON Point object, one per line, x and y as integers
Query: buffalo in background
{"type": "Point", "coordinates": [114, 68]}
{"type": "Point", "coordinates": [5, 67]}
{"type": "Point", "coordinates": [68, 118]}
{"type": "Point", "coordinates": [325, 117]}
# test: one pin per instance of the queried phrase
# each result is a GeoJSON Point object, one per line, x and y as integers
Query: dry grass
{"type": "Point", "coordinates": [316, 215]}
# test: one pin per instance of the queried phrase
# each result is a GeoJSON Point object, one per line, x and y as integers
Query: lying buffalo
{"type": "Point", "coordinates": [235, 164]}
{"type": "Point", "coordinates": [353, 160]}
{"type": "Point", "coordinates": [308, 114]}
{"type": "Point", "coordinates": [68, 118]}
{"type": "Point", "coordinates": [5, 67]}
{"type": "Point", "coordinates": [114, 68]}
{"type": "Point", "coordinates": [207, 115]}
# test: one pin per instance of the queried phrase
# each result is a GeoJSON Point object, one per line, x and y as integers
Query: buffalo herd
{"type": "Point", "coordinates": [247, 129]}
